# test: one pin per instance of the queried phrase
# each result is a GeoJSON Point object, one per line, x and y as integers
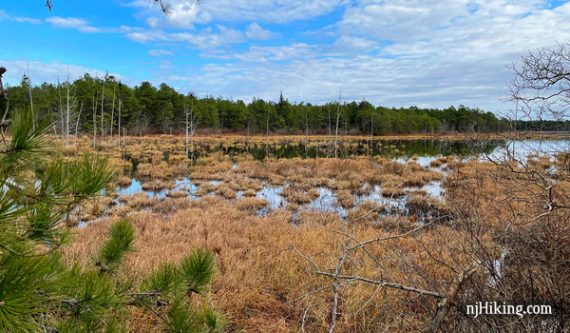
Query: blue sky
{"type": "Point", "coordinates": [390, 52]}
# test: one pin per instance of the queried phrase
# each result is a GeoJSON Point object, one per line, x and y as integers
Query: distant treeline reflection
{"type": "Point", "coordinates": [387, 148]}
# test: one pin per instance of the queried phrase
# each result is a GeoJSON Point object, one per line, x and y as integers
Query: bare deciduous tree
{"type": "Point", "coordinates": [541, 83]}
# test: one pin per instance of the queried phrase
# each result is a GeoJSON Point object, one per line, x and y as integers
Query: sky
{"type": "Point", "coordinates": [428, 53]}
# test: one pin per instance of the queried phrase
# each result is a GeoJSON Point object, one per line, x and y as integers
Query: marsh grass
{"type": "Point", "coordinates": [157, 185]}
{"type": "Point", "coordinates": [261, 284]}
{"type": "Point", "coordinates": [251, 204]}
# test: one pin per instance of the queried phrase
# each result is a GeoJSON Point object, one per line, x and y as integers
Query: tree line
{"type": "Point", "coordinates": [105, 106]}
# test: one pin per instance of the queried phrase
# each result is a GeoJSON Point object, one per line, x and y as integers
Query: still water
{"type": "Point", "coordinates": [388, 148]}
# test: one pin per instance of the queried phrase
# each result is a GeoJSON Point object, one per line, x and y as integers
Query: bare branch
{"type": "Point", "coordinates": [385, 284]}
{"type": "Point", "coordinates": [408, 233]}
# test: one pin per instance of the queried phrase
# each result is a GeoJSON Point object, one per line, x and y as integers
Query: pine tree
{"type": "Point", "coordinates": [39, 292]}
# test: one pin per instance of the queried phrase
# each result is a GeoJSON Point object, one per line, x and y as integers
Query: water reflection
{"type": "Point", "coordinates": [423, 150]}
{"type": "Point", "coordinates": [274, 197]}
{"type": "Point", "coordinates": [351, 148]}
{"type": "Point", "coordinates": [522, 149]}
{"type": "Point", "coordinates": [180, 185]}
{"type": "Point", "coordinates": [327, 202]}
{"type": "Point", "coordinates": [391, 205]}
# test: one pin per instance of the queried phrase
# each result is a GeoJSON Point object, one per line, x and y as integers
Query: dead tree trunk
{"type": "Point", "coordinates": [30, 96]}
{"type": "Point", "coordinates": [338, 112]}
{"type": "Point", "coordinates": [189, 131]}
{"type": "Point", "coordinates": [77, 123]}
{"type": "Point", "coordinates": [186, 131]}
{"type": "Point", "coordinates": [267, 134]}
{"type": "Point", "coordinates": [68, 111]}
{"type": "Point", "coordinates": [306, 131]}
{"type": "Point", "coordinates": [102, 110]}
{"type": "Point", "coordinates": [94, 121]}
{"type": "Point", "coordinates": [61, 115]}
{"type": "Point", "coordinates": [120, 103]}
{"type": "Point", "coordinates": [112, 113]}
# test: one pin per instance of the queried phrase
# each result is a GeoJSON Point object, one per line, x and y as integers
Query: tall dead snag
{"type": "Point", "coordinates": [267, 132]}
{"type": "Point", "coordinates": [120, 104]}
{"type": "Point", "coordinates": [61, 112]}
{"type": "Point", "coordinates": [305, 108]}
{"type": "Point", "coordinates": [112, 78]}
{"type": "Point", "coordinates": [189, 130]}
{"type": "Point", "coordinates": [29, 81]}
{"type": "Point", "coordinates": [68, 109]}
{"type": "Point", "coordinates": [77, 123]}
{"type": "Point", "coordinates": [338, 113]}
{"type": "Point", "coordinates": [102, 109]}
{"type": "Point", "coordinates": [94, 121]}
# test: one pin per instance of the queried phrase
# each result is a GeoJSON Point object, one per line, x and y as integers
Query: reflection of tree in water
{"type": "Point", "coordinates": [388, 148]}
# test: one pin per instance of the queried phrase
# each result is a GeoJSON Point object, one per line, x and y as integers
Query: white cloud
{"type": "Point", "coordinates": [392, 52]}
{"type": "Point", "coordinates": [144, 36]}
{"type": "Point", "coordinates": [429, 53]}
{"type": "Point", "coordinates": [49, 71]}
{"type": "Point", "coordinates": [21, 19]}
{"type": "Point", "coordinates": [159, 53]}
{"type": "Point", "coordinates": [355, 44]}
{"type": "Point", "coordinates": [267, 54]}
{"type": "Point", "coordinates": [255, 32]}
{"type": "Point", "coordinates": [187, 13]}
{"type": "Point", "coordinates": [269, 11]}
{"type": "Point", "coordinates": [181, 13]}
{"type": "Point", "coordinates": [383, 81]}
{"type": "Point", "coordinates": [153, 22]}
{"type": "Point", "coordinates": [72, 23]}
{"type": "Point", "coordinates": [204, 39]}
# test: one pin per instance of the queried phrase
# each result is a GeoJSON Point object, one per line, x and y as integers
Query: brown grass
{"type": "Point", "coordinates": [261, 285]}
{"type": "Point", "coordinates": [251, 204]}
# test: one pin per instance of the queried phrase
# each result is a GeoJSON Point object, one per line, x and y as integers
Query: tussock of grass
{"type": "Point", "coordinates": [124, 181]}
{"type": "Point", "coordinates": [226, 191]}
{"type": "Point", "coordinates": [157, 185]}
{"type": "Point", "coordinates": [345, 198]}
{"type": "Point", "coordinates": [177, 194]}
{"type": "Point", "coordinates": [298, 195]}
{"type": "Point", "coordinates": [251, 204]}
{"type": "Point", "coordinates": [139, 200]}
{"type": "Point", "coordinates": [205, 188]}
